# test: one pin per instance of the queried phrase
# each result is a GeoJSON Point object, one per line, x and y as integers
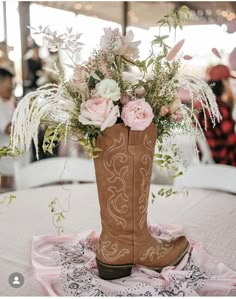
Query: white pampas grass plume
{"type": "Point", "coordinates": [200, 91]}
{"type": "Point", "coordinates": [48, 104]}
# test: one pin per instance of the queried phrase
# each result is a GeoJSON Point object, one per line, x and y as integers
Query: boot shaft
{"type": "Point", "coordinates": [123, 173]}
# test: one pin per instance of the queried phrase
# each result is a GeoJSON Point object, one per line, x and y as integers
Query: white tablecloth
{"type": "Point", "coordinates": [207, 216]}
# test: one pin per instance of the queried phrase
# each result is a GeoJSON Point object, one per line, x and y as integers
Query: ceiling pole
{"type": "Point", "coordinates": [24, 15]}
{"type": "Point", "coordinates": [5, 26]}
{"type": "Point", "coordinates": [125, 7]}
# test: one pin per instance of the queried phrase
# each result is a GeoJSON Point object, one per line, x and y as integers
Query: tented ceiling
{"type": "Point", "coordinates": [145, 14]}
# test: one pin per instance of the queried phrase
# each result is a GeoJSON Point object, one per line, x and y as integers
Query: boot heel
{"type": "Point", "coordinates": [108, 272]}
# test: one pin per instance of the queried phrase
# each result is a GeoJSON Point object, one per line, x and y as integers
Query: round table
{"type": "Point", "coordinates": [206, 216]}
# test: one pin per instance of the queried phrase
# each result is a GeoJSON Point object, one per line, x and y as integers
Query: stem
{"type": "Point", "coordinates": [175, 33]}
{"type": "Point", "coordinates": [71, 57]}
{"type": "Point", "coordinates": [130, 61]}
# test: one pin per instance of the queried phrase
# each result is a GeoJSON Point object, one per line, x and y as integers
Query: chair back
{"type": "Point", "coordinates": [54, 170]}
{"type": "Point", "coordinates": [209, 176]}
{"type": "Point", "coordinates": [205, 151]}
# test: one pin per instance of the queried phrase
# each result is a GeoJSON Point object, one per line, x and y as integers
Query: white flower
{"type": "Point", "coordinates": [108, 89]}
{"type": "Point", "coordinates": [121, 45]}
{"type": "Point", "coordinates": [129, 48]}
{"type": "Point", "coordinates": [111, 40]}
{"type": "Point", "coordinates": [175, 105]}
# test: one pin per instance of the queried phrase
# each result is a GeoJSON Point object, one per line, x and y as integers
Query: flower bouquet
{"type": "Point", "coordinates": [119, 117]}
{"type": "Point", "coordinates": [101, 92]}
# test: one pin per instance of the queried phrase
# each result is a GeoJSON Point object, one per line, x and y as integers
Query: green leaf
{"type": "Point", "coordinates": [161, 21]}
{"type": "Point", "coordinates": [158, 155]}
{"type": "Point", "coordinates": [12, 197]}
{"type": "Point", "coordinates": [167, 157]}
{"type": "Point", "coordinates": [159, 162]}
{"type": "Point", "coordinates": [58, 218]}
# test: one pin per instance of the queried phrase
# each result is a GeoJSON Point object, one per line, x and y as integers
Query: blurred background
{"type": "Point", "coordinates": [212, 24]}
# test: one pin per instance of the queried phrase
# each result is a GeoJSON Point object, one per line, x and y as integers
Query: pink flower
{"type": "Point", "coordinates": [137, 115]}
{"type": "Point", "coordinates": [187, 57]}
{"type": "Point", "coordinates": [124, 99]}
{"type": "Point", "coordinates": [197, 105]}
{"type": "Point", "coordinates": [99, 112]}
{"type": "Point", "coordinates": [216, 52]}
{"type": "Point", "coordinates": [128, 47]}
{"type": "Point", "coordinates": [80, 79]}
{"type": "Point", "coordinates": [175, 50]}
{"type": "Point", "coordinates": [164, 110]}
{"type": "Point", "coordinates": [110, 40]}
{"type": "Point", "coordinates": [183, 95]}
{"type": "Point", "coordinates": [122, 45]}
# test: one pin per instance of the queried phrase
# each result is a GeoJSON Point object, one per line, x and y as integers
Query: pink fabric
{"type": "Point", "coordinates": [65, 266]}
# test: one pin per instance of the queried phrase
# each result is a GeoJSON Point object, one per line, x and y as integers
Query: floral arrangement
{"type": "Point", "coordinates": [102, 92]}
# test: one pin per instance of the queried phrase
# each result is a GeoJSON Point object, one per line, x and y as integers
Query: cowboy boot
{"type": "Point", "coordinates": [123, 174]}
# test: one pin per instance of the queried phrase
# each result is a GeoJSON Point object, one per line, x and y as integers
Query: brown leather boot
{"type": "Point", "coordinates": [123, 173]}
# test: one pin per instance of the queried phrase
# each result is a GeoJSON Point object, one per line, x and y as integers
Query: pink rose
{"type": "Point", "coordinates": [164, 110]}
{"type": "Point", "coordinates": [99, 112]}
{"type": "Point", "coordinates": [137, 114]}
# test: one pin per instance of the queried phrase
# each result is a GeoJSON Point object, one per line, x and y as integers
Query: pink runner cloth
{"type": "Point", "coordinates": [65, 266]}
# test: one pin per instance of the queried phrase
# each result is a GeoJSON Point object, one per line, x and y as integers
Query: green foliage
{"type": "Point", "coordinates": [168, 162]}
{"type": "Point", "coordinates": [164, 192]}
{"type": "Point", "coordinates": [167, 192]}
{"type": "Point", "coordinates": [176, 17]}
{"type": "Point", "coordinates": [8, 151]}
{"type": "Point", "coordinates": [58, 214]}
{"type": "Point", "coordinates": [90, 146]}
{"type": "Point", "coordinates": [7, 199]}
{"type": "Point", "coordinates": [52, 137]}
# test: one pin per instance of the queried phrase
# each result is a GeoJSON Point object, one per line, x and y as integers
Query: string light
{"type": "Point", "coordinates": [88, 7]}
{"type": "Point", "coordinates": [77, 6]}
{"type": "Point", "coordinates": [224, 13]}
{"type": "Point", "coordinates": [134, 19]}
{"type": "Point", "coordinates": [208, 12]}
{"type": "Point", "coordinates": [131, 13]}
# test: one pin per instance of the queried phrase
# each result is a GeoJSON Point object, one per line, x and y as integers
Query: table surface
{"type": "Point", "coordinates": [206, 216]}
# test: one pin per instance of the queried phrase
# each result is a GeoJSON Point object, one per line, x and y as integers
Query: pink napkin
{"type": "Point", "coordinates": [65, 266]}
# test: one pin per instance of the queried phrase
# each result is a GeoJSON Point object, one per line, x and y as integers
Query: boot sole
{"type": "Point", "coordinates": [176, 262]}
{"type": "Point", "coordinates": [109, 272]}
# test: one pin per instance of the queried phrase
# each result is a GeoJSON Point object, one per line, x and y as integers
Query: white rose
{"type": "Point", "coordinates": [108, 89]}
